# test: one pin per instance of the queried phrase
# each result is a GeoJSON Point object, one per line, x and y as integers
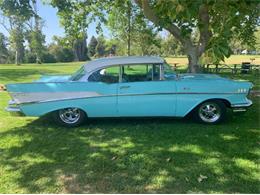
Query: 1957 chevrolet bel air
{"type": "Point", "coordinates": [129, 87]}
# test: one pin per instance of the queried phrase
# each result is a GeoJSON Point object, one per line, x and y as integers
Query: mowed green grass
{"type": "Point", "coordinates": [163, 155]}
{"type": "Point", "coordinates": [233, 59]}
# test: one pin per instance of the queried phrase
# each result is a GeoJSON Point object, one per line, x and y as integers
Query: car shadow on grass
{"type": "Point", "coordinates": [129, 155]}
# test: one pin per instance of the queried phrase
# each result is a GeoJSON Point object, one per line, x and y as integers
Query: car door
{"type": "Point", "coordinates": [104, 84]}
{"type": "Point", "coordinates": [142, 93]}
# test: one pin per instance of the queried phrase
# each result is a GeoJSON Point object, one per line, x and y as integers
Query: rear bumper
{"type": "Point", "coordinates": [241, 107]}
{"type": "Point", "coordinates": [12, 107]}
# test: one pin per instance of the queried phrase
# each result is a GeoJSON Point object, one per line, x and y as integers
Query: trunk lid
{"type": "Point", "coordinates": [54, 78]}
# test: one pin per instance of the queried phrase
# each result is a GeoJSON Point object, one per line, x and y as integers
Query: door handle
{"type": "Point", "coordinates": [124, 87]}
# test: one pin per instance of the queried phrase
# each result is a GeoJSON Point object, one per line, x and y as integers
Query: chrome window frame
{"type": "Point", "coordinates": [98, 69]}
{"type": "Point", "coordinates": [161, 77]}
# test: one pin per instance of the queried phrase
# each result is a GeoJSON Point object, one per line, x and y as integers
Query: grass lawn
{"type": "Point", "coordinates": [126, 155]}
{"type": "Point", "coordinates": [233, 59]}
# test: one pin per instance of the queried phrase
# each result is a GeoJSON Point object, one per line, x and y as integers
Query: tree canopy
{"type": "Point", "coordinates": [216, 22]}
{"type": "Point", "coordinates": [200, 29]}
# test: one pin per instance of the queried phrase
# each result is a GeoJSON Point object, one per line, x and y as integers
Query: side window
{"type": "Point", "coordinates": [107, 75]}
{"type": "Point", "coordinates": [144, 72]}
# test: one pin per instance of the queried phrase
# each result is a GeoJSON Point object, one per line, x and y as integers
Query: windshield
{"type": "Point", "coordinates": [169, 73]}
{"type": "Point", "coordinates": [78, 74]}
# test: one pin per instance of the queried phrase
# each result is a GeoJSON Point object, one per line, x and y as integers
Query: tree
{"type": "Point", "coordinates": [216, 21]}
{"type": "Point", "coordinates": [101, 47]}
{"type": "Point", "coordinates": [111, 46]}
{"type": "Point", "coordinates": [127, 24]}
{"type": "Point", "coordinates": [36, 42]}
{"type": "Point", "coordinates": [17, 41]}
{"type": "Point", "coordinates": [145, 39]}
{"type": "Point", "coordinates": [74, 18]}
{"type": "Point", "coordinates": [92, 46]}
{"type": "Point", "coordinates": [257, 38]}
{"type": "Point", "coordinates": [170, 46]}
{"type": "Point", "coordinates": [61, 49]}
{"type": "Point", "coordinates": [61, 54]}
{"type": "Point", "coordinates": [17, 13]}
{"type": "Point", "coordinates": [121, 21]}
{"type": "Point", "coordinates": [3, 48]}
{"type": "Point", "coordinates": [236, 45]}
{"type": "Point", "coordinates": [35, 36]}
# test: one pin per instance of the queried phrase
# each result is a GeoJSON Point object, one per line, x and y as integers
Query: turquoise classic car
{"type": "Point", "coordinates": [129, 87]}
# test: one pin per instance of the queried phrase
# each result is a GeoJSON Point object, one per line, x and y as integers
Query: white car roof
{"type": "Point", "coordinates": [110, 61]}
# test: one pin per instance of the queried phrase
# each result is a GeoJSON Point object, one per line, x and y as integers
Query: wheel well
{"type": "Point", "coordinates": [226, 102]}
{"type": "Point", "coordinates": [68, 107]}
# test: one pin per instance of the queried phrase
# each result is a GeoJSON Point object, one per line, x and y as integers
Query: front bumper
{"type": "Point", "coordinates": [241, 107]}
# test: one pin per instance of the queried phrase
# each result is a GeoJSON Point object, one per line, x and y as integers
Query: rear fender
{"type": "Point", "coordinates": [40, 109]}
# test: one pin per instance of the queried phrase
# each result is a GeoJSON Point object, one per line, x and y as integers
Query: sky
{"type": "Point", "coordinates": [51, 24]}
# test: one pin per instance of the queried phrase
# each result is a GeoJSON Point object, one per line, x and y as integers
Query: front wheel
{"type": "Point", "coordinates": [69, 117]}
{"type": "Point", "coordinates": [211, 112]}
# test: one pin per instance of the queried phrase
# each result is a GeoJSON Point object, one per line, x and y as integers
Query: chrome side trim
{"type": "Point", "coordinates": [113, 95]}
{"type": "Point", "coordinates": [51, 82]}
{"type": "Point", "coordinates": [22, 97]}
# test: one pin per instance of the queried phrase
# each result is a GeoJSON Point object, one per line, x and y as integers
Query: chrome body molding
{"type": "Point", "coordinates": [23, 98]}
{"type": "Point", "coordinates": [42, 97]}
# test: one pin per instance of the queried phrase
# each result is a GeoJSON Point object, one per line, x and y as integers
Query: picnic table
{"type": "Point", "coordinates": [174, 65]}
{"type": "Point", "coordinates": [245, 67]}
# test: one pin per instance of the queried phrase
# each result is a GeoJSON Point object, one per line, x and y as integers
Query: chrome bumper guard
{"type": "Point", "coordinates": [241, 107]}
{"type": "Point", "coordinates": [12, 107]}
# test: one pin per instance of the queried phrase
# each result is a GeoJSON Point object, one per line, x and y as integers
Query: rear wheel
{"type": "Point", "coordinates": [211, 112]}
{"type": "Point", "coordinates": [69, 117]}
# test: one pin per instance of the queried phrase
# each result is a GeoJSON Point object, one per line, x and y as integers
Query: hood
{"type": "Point", "coordinates": [54, 78]}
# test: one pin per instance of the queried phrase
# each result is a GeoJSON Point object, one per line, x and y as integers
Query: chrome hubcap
{"type": "Point", "coordinates": [209, 112]}
{"type": "Point", "coordinates": [69, 115]}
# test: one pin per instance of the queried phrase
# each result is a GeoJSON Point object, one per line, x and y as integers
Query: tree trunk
{"type": "Point", "coordinates": [80, 49]}
{"type": "Point", "coordinates": [193, 52]}
{"type": "Point", "coordinates": [129, 29]}
{"type": "Point", "coordinates": [16, 58]}
{"type": "Point", "coordinates": [77, 50]}
{"type": "Point", "coordinates": [193, 57]}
